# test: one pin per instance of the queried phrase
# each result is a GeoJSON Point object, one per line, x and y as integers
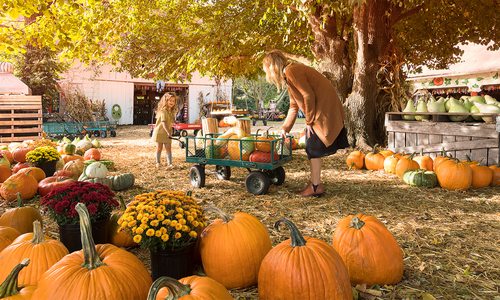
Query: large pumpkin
{"type": "Point", "coordinates": [10, 289]}
{"type": "Point", "coordinates": [496, 176]}
{"type": "Point", "coordinates": [122, 181]}
{"type": "Point", "coordinates": [36, 172]}
{"type": "Point", "coordinates": [7, 236]}
{"type": "Point", "coordinates": [481, 176]}
{"type": "Point", "coordinates": [405, 164]}
{"type": "Point", "coordinates": [188, 288]}
{"type": "Point", "coordinates": [303, 268]}
{"type": "Point", "coordinates": [51, 183]}
{"type": "Point", "coordinates": [69, 157]}
{"type": "Point", "coordinates": [386, 153]}
{"type": "Point", "coordinates": [369, 250]}
{"type": "Point", "coordinates": [22, 183]}
{"type": "Point", "coordinates": [355, 160]}
{"type": "Point", "coordinates": [42, 252]}
{"type": "Point", "coordinates": [439, 159]}
{"type": "Point", "coordinates": [21, 217]}
{"type": "Point", "coordinates": [92, 153]}
{"type": "Point", "coordinates": [233, 247]}
{"type": "Point", "coordinates": [119, 238]}
{"type": "Point", "coordinates": [374, 160]}
{"type": "Point", "coordinates": [263, 157]}
{"type": "Point", "coordinates": [95, 272]}
{"type": "Point", "coordinates": [454, 175]}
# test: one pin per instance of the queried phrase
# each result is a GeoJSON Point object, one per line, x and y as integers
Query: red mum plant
{"type": "Point", "coordinates": [60, 203]}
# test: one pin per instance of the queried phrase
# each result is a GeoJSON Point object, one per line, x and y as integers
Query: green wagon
{"type": "Point", "coordinates": [209, 150]}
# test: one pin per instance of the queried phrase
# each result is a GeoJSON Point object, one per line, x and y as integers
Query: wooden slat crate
{"type": "Point", "coordinates": [20, 118]}
{"type": "Point", "coordinates": [480, 141]}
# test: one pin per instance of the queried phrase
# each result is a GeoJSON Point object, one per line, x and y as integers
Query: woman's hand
{"type": "Point", "coordinates": [309, 131]}
{"type": "Point", "coordinates": [283, 133]}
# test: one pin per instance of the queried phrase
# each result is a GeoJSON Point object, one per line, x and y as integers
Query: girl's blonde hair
{"type": "Point", "coordinates": [163, 103]}
{"type": "Point", "coordinates": [274, 63]}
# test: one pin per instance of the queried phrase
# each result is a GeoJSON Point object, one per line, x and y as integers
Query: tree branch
{"type": "Point", "coordinates": [407, 13]}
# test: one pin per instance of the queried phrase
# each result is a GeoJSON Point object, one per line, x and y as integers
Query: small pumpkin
{"type": "Point", "coordinates": [240, 233]}
{"type": "Point", "coordinates": [355, 160]}
{"type": "Point", "coordinates": [420, 178]}
{"type": "Point", "coordinates": [188, 288]}
{"type": "Point", "coordinates": [265, 143]}
{"type": "Point", "coordinates": [374, 160]}
{"type": "Point", "coordinates": [105, 263]}
{"type": "Point", "coordinates": [7, 236]}
{"type": "Point", "coordinates": [262, 157]}
{"type": "Point", "coordinates": [92, 153]}
{"type": "Point", "coordinates": [454, 175]}
{"type": "Point", "coordinates": [10, 289]}
{"type": "Point", "coordinates": [20, 218]}
{"type": "Point", "coordinates": [481, 176]}
{"type": "Point", "coordinates": [36, 172]}
{"type": "Point", "coordinates": [303, 268]}
{"type": "Point", "coordinates": [96, 170]}
{"type": "Point", "coordinates": [424, 161]}
{"type": "Point", "coordinates": [44, 252]}
{"type": "Point", "coordinates": [22, 183]}
{"type": "Point", "coordinates": [69, 148]}
{"type": "Point", "coordinates": [390, 163]}
{"type": "Point", "coordinates": [116, 237]}
{"type": "Point", "coordinates": [122, 181]}
{"type": "Point", "coordinates": [370, 252]}
{"type": "Point", "coordinates": [496, 176]}
{"type": "Point", "coordinates": [405, 164]}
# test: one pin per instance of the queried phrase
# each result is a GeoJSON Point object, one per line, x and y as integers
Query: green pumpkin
{"type": "Point", "coordinates": [122, 181]}
{"type": "Point", "coordinates": [420, 178]}
{"type": "Point", "coordinates": [69, 149]}
{"type": "Point", "coordinates": [105, 181]}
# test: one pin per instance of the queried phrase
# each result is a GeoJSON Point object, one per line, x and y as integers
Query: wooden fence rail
{"type": "Point", "coordinates": [20, 118]}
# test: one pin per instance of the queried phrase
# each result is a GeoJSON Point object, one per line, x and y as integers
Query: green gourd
{"type": "Point", "coordinates": [410, 107]}
{"type": "Point", "coordinates": [475, 110]}
{"type": "Point", "coordinates": [476, 99]}
{"type": "Point", "coordinates": [421, 107]}
{"type": "Point", "coordinates": [122, 181]}
{"type": "Point", "coordinates": [449, 102]}
{"type": "Point", "coordinates": [488, 109]}
{"type": "Point", "coordinates": [490, 100]}
{"type": "Point", "coordinates": [420, 178]}
{"type": "Point", "coordinates": [468, 104]}
{"type": "Point", "coordinates": [457, 107]}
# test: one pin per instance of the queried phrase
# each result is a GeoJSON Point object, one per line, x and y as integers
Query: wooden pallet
{"type": "Point", "coordinates": [20, 118]}
{"type": "Point", "coordinates": [480, 141]}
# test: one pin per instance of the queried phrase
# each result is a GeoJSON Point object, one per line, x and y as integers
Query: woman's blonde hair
{"type": "Point", "coordinates": [163, 103]}
{"type": "Point", "coordinates": [274, 63]}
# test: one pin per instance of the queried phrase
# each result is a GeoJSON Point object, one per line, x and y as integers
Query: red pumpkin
{"type": "Point", "coordinates": [19, 166]}
{"type": "Point", "coordinates": [262, 157]}
{"type": "Point", "coordinates": [92, 153]}
{"type": "Point", "coordinates": [19, 154]}
{"type": "Point", "coordinates": [50, 183]}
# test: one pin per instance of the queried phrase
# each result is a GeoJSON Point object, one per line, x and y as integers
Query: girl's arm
{"type": "Point", "coordinates": [299, 80]}
{"type": "Point", "coordinates": [291, 116]}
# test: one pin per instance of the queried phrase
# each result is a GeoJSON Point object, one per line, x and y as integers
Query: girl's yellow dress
{"type": "Point", "coordinates": [159, 134]}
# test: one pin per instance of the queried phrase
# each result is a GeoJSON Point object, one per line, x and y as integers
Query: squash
{"type": "Point", "coordinates": [263, 157]}
{"type": "Point", "coordinates": [265, 141]}
{"type": "Point", "coordinates": [370, 252]}
{"type": "Point", "coordinates": [192, 287]}
{"type": "Point", "coordinates": [10, 289]}
{"type": "Point", "coordinates": [454, 175]}
{"type": "Point", "coordinates": [481, 176]}
{"type": "Point", "coordinates": [355, 160]}
{"type": "Point", "coordinates": [122, 181]}
{"type": "Point", "coordinates": [496, 176]}
{"type": "Point", "coordinates": [374, 160]}
{"type": "Point", "coordinates": [104, 181]}
{"type": "Point", "coordinates": [7, 236]}
{"type": "Point", "coordinates": [105, 264]}
{"type": "Point", "coordinates": [96, 170]}
{"type": "Point", "coordinates": [116, 237]}
{"type": "Point", "coordinates": [405, 164]}
{"type": "Point", "coordinates": [92, 153]}
{"type": "Point", "coordinates": [22, 183]}
{"type": "Point", "coordinates": [424, 161]}
{"type": "Point", "coordinates": [38, 173]}
{"type": "Point", "coordinates": [303, 268]}
{"type": "Point", "coordinates": [242, 234]}
{"type": "Point", "coordinates": [84, 145]}
{"type": "Point", "coordinates": [43, 252]}
{"type": "Point", "coordinates": [420, 178]}
{"type": "Point", "coordinates": [20, 218]}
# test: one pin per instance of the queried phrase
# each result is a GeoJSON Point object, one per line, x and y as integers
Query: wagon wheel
{"type": "Point", "coordinates": [104, 134]}
{"type": "Point", "coordinates": [197, 176]}
{"type": "Point", "coordinates": [257, 183]}
{"type": "Point", "coordinates": [112, 133]}
{"type": "Point", "coordinates": [277, 176]}
{"type": "Point", "coordinates": [223, 172]}
{"type": "Point", "coordinates": [184, 133]}
{"type": "Point", "coordinates": [97, 133]}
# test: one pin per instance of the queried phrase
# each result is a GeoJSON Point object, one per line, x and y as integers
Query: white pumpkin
{"type": "Point", "coordinates": [96, 170]}
{"type": "Point", "coordinates": [84, 145]}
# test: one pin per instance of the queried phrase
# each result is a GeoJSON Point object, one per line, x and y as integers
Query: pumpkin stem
{"type": "Point", "coordinates": [356, 223]}
{"type": "Point", "coordinates": [176, 289]}
{"type": "Point", "coordinates": [421, 151]}
{"type": "Point", "coordinates": [38, 236]}
{"type": "Point", "coordinates": [295, 235]}
{"type": "Point", "coordinates": [224, 216]}
{"type": "Point", "coordinates": [90, 255]}
{"type": "Point", "coordinates": [19, 200]}
{"type": "Point", "coordinates": [9, 287]}
{"type": "Point", "coordinates": [123, 206]}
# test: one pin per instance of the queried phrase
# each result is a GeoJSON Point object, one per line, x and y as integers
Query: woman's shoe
{"type": "Point", "coordinates": [313, 190]}
{"type": "Point", "coordinates": [158, 165]}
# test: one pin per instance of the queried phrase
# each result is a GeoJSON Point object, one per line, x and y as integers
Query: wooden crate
{"type": "Point", "coordinates": [480, 141]}
{"type": "Point", "coordinates": [20, 118]}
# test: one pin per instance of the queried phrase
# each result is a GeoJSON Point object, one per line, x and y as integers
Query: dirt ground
{"type": "Point", "coordinates": [450, 239]}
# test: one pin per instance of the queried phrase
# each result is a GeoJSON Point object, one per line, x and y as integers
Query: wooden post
{"type": "Point", "coordinates": [209, 126]}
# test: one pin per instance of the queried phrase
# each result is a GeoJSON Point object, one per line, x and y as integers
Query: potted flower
{"type": "Point", "coordinates": [60, 205]}
{"type": "Point", "coordinates": [168, 224]}
{"type": "Point", "coordinates": [45, 158]}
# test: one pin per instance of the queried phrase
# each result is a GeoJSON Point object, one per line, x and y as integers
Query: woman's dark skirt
{"type": "Point", "coordinates": [316, 149]}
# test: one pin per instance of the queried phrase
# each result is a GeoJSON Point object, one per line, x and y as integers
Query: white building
{"type": "Point", "coordinates": [137, 97]}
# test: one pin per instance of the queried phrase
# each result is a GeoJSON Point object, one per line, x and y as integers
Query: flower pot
{"type": "Point", "coordinates": [69, 234]}
{"type": "Point", "coordinates": [48, 167]}
{"type": "Point", "coordinates": [176, 263]}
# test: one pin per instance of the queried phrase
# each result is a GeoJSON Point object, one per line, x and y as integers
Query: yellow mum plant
{"type": "Point", "coordinates": [42, 154]}
{"type": "Point", "coordinates": [163, 219]}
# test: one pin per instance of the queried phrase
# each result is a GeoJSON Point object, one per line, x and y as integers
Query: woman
{"type": "Point", "coordinates": [165, 114]}
{"type": "Point", "coordinates": [316, 97]}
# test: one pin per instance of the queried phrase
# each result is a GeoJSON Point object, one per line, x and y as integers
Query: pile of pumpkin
{"type": "Point", "coordinates": [423, 171]}
{"type": "Point", "coordinates": [236, 252]}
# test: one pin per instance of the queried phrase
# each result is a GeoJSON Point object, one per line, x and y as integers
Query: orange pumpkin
{"type": "Point", "coordinates": [233, 147]}
{"type": "Point", "coordinates": [386, 152]}
{"type": "Point", "coordinates": [69, 157]}
{"type": "Point", "coordinates": [481, 176]}
{"type": "Point", "coordinates": [22, 183]}
{"type": "Point", "coordinates": [374, 160]}
{"type": "Point", "coordinates": [425, 162]}
{"type": "Point", "coordinates": [116, 237]}
{"type": "Point", "coordinates": [19, 154]}
{"type": "Point", "coordinates": [454, 175]}
{"type": "Point", "coordinates": [241, 233]}
{"type": "Point", "coordinates": [496, 176]}
{"type": "Point", "coordinates": [355, 160]}
{"type": "Point", "coordinates": [44, 253]}
{"type": "Point", "coordinates": [92, 153]}
{"type": "Point", "coordinates": [21, 217]}
{"type": "Point", "coordinates": [404, 164]}
{"type": "Point", "coordinates": [369, 251]}
{"type": "Point", "coordinates": [303, 268]}
{"type": "Point", "coordinates": [7, 236]}
{"type": "Point", "coordinates": [8, 155]}
{"type": "Point", "coordinates": [38, 173]}
{"type": "Point", "coordinates": [438, 160]}
{"type": "Point", "coordinates": [5, 173]}
{"type": "Point", "coordinates": [390, 163]}
{"type": "Point", "coordinates": [106, 264]}
{"type": "Point", "coordinates": [265, 144]}
{"type": "Point", "coordinates": [192, 287]}
{"type": "Point", "coordinates": [10, 289]}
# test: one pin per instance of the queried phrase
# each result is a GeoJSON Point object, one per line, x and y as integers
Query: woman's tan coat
{"type": "Point", "coordinates": [315, 95]}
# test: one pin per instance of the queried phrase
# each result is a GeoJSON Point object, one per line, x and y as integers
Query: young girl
{"type": "Point", "coordinates": [165, 114]}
